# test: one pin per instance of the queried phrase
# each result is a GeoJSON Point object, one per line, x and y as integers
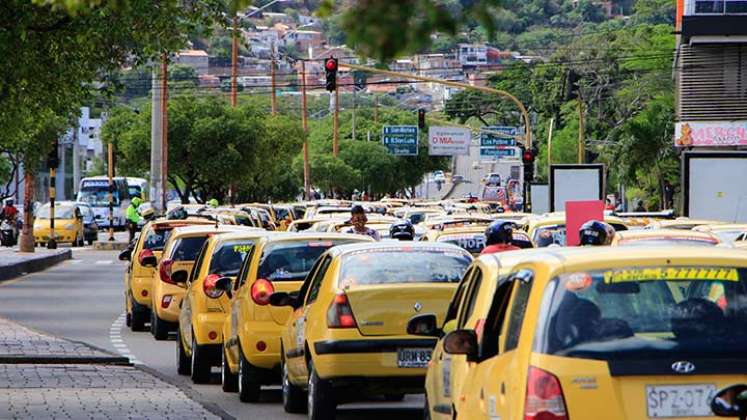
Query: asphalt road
{"type": "Point", "coordinates": [82, 300]}
{"type": "Point", "coordinates": [472, 175]}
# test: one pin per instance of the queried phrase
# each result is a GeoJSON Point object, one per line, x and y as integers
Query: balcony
{"type": "Point", "coordinates": [715, 21]}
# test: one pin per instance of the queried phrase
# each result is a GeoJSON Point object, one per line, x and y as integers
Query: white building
{"type": "Point", "coordinates": [197, 59]}
{"type": "Point", "coordinates": [473, 54]}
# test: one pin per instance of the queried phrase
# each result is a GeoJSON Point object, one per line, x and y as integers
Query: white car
{"type": "Point", "coordinates": [439, 176]}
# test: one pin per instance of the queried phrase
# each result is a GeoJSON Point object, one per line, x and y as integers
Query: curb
{"type": "Point", "coordinates": [33, 265]}
{"type": "Point", "coordinates": [110, 246]}
{"type": "Point", "coordinates": [64, 360]}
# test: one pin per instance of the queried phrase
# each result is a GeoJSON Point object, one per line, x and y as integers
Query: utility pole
{"type": "Point", "coordinates": [110, 167]}
{"type": "Point", "coordinates": [164, 129]}
{"type": "Point", "coordinates": [156, 141]}
{"type": "Point", "coordinates": [581, 130]}
{"type": "Point", "coordinates": [305, 125]}
{"type": "Point", "coordinates": [376, 108]}
{"type": "Point", "coordinates": [549, 146]}
{"type": "Point", "coordinates": [353, 121]}
{"type": "Point", "coordinates": [273, 99]}
{"type": "Point", "coordinates": [76, 159]}
{"type": "Point", "coordinates": [234, 60]}
{"type": "Point", "coordinates": [52, 243]}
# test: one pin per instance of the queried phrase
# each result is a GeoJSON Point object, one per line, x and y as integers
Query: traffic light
{"type": "Point", "coordinates": [53, 160]}
{"type": "Point", "coordinates": [527, 157]}
{"type": "Point", "coordinates": [330, 69]}
{"type": "Point", "coordinates": [421, 118]}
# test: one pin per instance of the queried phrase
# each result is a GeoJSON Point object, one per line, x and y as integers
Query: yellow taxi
{"type": "Point", "coordinates": [664, 237]}
{"type": "Point", "coordinates": [251, 335]}
{"type": "Point", "coordinates": [179, 253]}
{"type": "Point", "coordinates": [68, 224]}
{"type": "Point", "coordinates": [585, 333]}
{"type": "Point", "coordinates": [681, 223]}
{"type": "Point", "coordinates": [143, 256]}
{"type": "Point", "coordinates": [550, 229]}
{"type": "Point", "coordinates": [727, 232]}
{"type": "Point", "coordinates": [205, 306]}
{"type": "Point", "coordinates": [347, 337]}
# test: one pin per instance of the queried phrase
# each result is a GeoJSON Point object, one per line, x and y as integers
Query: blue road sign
{"type": "Point", "coordinates": [401, 140]}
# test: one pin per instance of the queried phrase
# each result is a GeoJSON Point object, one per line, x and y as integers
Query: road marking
{"type": "Point", "coordinates": [104, 262]}
{"type": "Point", "coordinates": [115, 337]}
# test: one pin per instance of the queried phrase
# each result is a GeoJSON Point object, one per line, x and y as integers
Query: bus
{"type": "Point", "coordinates": [94, 191]}
{"type": "Point", "coordinates": [138, 187]}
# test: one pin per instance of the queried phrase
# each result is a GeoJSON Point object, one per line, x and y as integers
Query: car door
{"type": "Point", "coordinates": [239, 296]}
{"type": "Point", "coordinates": [185, 314]}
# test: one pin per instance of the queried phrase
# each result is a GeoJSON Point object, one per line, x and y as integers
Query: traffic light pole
{"type": "Point", "coordinates": [110, 172]}
{"type": "Point", "coordinates": [52, 243]}
{"type": "Point", "coordinates": [336, 124]}
{"type": "Point", "coordinates": [305, 126]}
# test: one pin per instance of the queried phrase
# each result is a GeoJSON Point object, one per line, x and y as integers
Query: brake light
{"type": "Point", "coordinates": [340, 314]}
{"type": "Point", "coordinates": [261, 291]}
{"type": "Point", "coordinates": [544, 399]}
{"type": "Point", "coordinates": [208, 286]}
{"type": "Point", "coordinates": [144, 254]}
{"type": "Point", "coordinates": [165, 271]}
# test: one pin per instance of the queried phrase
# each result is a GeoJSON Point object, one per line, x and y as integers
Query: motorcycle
{"type": "Point", "coordinates": [8, 233]}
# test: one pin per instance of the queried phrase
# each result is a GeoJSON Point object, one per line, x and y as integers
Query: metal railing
{"type": "Point", "coordinates": [715, 7]}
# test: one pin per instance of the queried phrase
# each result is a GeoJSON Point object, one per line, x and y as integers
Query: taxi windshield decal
{"type": "Point", "coordinates": [672, 274]}
{"type": "Point", "coordinates": [242, 249]}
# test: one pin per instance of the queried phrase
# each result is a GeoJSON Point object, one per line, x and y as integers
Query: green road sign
{"type": "Point", "coordinates": [401, 140]}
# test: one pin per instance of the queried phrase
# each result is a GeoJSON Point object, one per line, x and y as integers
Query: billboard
{"type": "Point", "coordinates": [449, 141]}
{"type": "Point", "coordinates": [710, 133]}
{"type": "Point", "coordinates": [575, 183]}
{"type": "Point", "coordinates": [713, 186]}
{"type": "Point", "coordinates": [401, 140]}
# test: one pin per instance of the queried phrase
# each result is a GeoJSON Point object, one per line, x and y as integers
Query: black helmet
{"type": "Point", "coordinates": [499, 232]}
{"type": "Point", "coordinates": [596, 233]}
{"type": "Point", "coordinates": [402, 230]}
{"type": "Point", "coordinates": [177, 213]}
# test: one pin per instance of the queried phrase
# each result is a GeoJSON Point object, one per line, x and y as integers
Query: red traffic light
{"type": "Point", "coordinates": [528, 156]}
{"type": "Point", "coordinates": [330, 64]}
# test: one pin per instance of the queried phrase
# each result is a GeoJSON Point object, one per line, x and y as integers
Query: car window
{"type": "Point", "coordinates": [156, 239]}
{"type": "Point", "coordinates": [245, 267]}
{"type": "Point", "coordinates": [186, 249]}
{"type": "Point", "coordinates": [470, 298]}
{"type": "Point", "coordinates": [453, 309]}
{"type": "Point", "coordinates": [395, 265]}
{"type": "Point", "coordinates": [493, 327]}
{"type": "Point", "coordinates": [227, 258]}
{"type": "Point", "coordinates": [516, 314]}
{"type": "Point", "coordinates": [292, 260]}
{"type": "Point", "coordinates": [198, 262]}
{"type": "Point", "coordinates": [316, 282]}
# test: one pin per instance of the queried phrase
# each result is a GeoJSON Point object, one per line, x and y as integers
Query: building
{"type": "Point", "coordinates": [473, 55]}
{"type": "Point", "coordinates": [197, 59]}
{"type": "Point", "coordinates": [711, 73]}
{"type": "Point", "coordinates": [303, 40]}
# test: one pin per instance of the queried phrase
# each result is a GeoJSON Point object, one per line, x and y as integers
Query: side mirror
{"type": "Point", "coordinates": [125, 255]}
{"type": "Point", "coordinates": [462, 342]}
{"type": "Point", "coordinates": [147, 258]}
{"type": "Point", "coordinates": [225, 284]}
{"type": "Point", "coordinates": [731, 402]}
{"type": "Point", "coordinates": [180, 278]}
{"type": "Point", "coordinates": [423, 325]}
{"type": "Point", "coordinates": [282, 299]}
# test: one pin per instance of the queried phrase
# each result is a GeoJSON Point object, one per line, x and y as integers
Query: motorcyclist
{"type": "Point", "coordinates": [10, 214]}
{"type": "Point", "coordinates": [596, 233]}
{"type": "Point", "coordinates": [9, 211]}
{"type": "Point", "coordinates": [498, 237]}
{"type": "Point", "coordinates": [402, 231]}
{"type": "Point", "coordinates": [133, 216]}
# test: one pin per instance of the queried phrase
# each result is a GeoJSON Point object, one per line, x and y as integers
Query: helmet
{"type": "Point", "coordinates": [137, 201]}
{"type": "Point", "coordinates": [177, 213]}
{"type": "Point", "coordinates": [499, 232]}
{"type": "Point", "coordinates": [213, 203]}
{"type": "Point", "coordinates": [402, 230]}
{"type": "Point", "coordinates": [9, 202]}
{"type": "Point", "coordinates": [596, 233]}
{"type": "Point", "coordinates": [148, 214]}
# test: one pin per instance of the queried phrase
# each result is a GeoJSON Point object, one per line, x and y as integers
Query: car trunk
{"type": "Point", "coordinates": [385, 309]}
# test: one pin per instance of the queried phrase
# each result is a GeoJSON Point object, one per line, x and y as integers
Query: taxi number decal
{"type": "Point", "coordinates": [242, 249]}
{"type": "Point", "coordinates": [672, 273]}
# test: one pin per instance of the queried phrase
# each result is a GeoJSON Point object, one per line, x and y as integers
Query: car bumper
{"type": "Point", "coordinates": [171, 310]}
{"type": "Point", "coordinates": [252, 333]}
{"type": "Point", "coordinates": [141, 290]}
{"type": "Point", "coordinates": [206, 323]}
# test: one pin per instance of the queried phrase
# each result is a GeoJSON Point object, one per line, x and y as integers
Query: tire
{"type": "Point", "coordinates": [182, 361]}
{"type": "Point", "coordinates": [128, 319]}
{"type": "Point", "coordinates": [199, 367]}
{"type": "Point", "coordinates": [320, 402]}
{"type": "Point", "coordinates": [249, 380]}
{"type": "Point", "coordinates": [76, 241]}
{"type": "Point", "coordinates": [90, 242]}
{"type": "Point", "coordinates": [137, 318]}
{"type": "Point", "coordinates": [158, 327]}
{"type": "Point", "coordinates": [426, 409]}
{"type": "Point", "coordinates": [229, 381]}
{"type": "Point", "coordinates": [294, 398]}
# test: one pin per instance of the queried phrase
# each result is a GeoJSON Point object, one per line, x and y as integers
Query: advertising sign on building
{"type": "Point", "coordinates": [710, 133]}
{"type": "Point", "coordinates": [401, 140]}
{"type": "Point", "coordinates": [448, 141]}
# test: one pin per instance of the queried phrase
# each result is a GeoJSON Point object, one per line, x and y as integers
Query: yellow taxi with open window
{"type": "Point", "coordinates": [589, 333]}
{"type": "Point", "coordinates": [347, 337]}
{"type": "Point", "coordinates": [205, 306]}
{"type": "Point", "coordinates": [251, 334]}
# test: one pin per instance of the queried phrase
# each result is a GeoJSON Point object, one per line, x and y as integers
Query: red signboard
{"type": "Point", "coordinates": [577, 213]}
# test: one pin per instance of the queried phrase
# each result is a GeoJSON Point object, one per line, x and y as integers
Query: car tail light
{"type": "Point", "coordinates": [261, 291]}
{"type": "Point", "coordinates": [544, 400]}
{"type": "Point", "coordinates": [165, 271]}
{"type": "Point", "coordinates": [340, 314]}
{"type": "Point", "coordinates": [208, 286]}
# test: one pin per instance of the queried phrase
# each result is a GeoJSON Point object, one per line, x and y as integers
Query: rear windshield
{"type": "Point", "coordinates": [227, 259]}
{"type": "Point", "coordinates": [664, 242]}
{"type": "Point", "coordinates": [188, 248]}
{"type": "Point", "coordinates": [156, 239]}
{"type": "Point", "coordinates": [292, 260]}
{"type": "Point", "coordinates": [645, 312]}
{"type": "Point", "coordinates": [728, 235]}
{"type": "Point", "coordinates": [401, 265]}
{"type": "Point", "coordinates": [473, 243]}
{"type": "Point", "coordinates": [555, 234]}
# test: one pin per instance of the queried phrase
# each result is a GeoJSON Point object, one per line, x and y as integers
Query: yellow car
{"type": "Point", "coordinates": [664, 237]}
{"type": "Point", "coordinates": [472, 238]}
{"type": "Point", "coordinates": [347, 337]}
{"type": "Point", "coordinates": [251, 335]}
{"type": "Point", "coordinates": [205, 306]}
{"type": "Point", "coordinates": [68, 224]}
{"type": "Point", "coordinates": [681, 223]}
{"type": "Point", "coordinates": [585, 333]}
{"type": "Point", "coordinates": [550, 229]}
{"type": "Point", "coordinates": [726, 232]}
{"type": "Point", "coordinates": [179, 253]}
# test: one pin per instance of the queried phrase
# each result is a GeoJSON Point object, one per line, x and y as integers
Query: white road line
{"type": "Point", "coordinates": [104, 262]}
{"type": "Point", "coordinates": [115, 337]}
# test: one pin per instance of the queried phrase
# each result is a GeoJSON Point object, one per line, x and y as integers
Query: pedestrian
{"type": "Point", "coordinates": [668, 195]}
{"type": "Point", "coordinates": [609, 205]}
{"type": "Point", "coordinates": [133, 217]}
{"type": "Point", "coordinates": [358, 220]}
{"type": "Point", "coordinates": [402, 231]}
{"type": "Point", "coordinates": [639, 208]}
{"type": "Point", "coordinates": [498, 237]}
{"type": "Point", "coordinates": [596, 233]}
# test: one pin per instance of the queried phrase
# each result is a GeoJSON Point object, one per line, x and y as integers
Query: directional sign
{"type": "Point", "coordinates": [497, 153]}
{"type": "Point", "coordinates": [496, 135]}
{"type": "Point", "coordinates": [401, 140]}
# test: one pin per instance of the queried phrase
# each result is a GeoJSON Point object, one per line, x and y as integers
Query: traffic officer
{"type": "Point", "coordinates": [133, 217]}
{"type": "Point", "coordinates": [213, 203]}
{"type": "Point", "coordinates": [498, 237]}
{"type": "Point", "coordinates": [402, 231]}
{"type": "Point", "coordinates": [596, 233]}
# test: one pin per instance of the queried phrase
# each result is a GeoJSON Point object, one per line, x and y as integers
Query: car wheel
{"type": "Point", "coordinates": [158, 328]}
{"type": "Point", "coordinates": [137, 319]}
{"type": "Point", "coordinates": [200, 368]}
{"type": "Point", "coordinates": [128, 319]}
{"type": "Point", "coordinates": [249, 380]}
{"type": "Point", "coordinates": [293, 395]}
{"type": "Point", "coordinates": [426, 409]}
{"type": "Point", "coordinates": [229, 381]}
{"type": "Point", "coordinates": [90, 242]}
{"type": "Point", "coordinates": [182, 361]}
{"type": "Point", "coordinates": [320, 402]}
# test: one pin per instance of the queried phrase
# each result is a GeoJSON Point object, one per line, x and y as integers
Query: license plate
{"type": "Point", "coordinates": [413, 358]}
{"type": "Point", "coordinates": [679, 400]}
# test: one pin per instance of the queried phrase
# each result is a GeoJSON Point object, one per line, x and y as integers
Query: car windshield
{"type": "Point", "coordinates": [403, 265]}
{"type": "Point", "coordinates": [227, 259]}
{"type": "Point", "coordinates": [292, 260]}
{"type": "Point", "coordinates": [472, 243]}
{"type": "Point", "coordinates": [156, 239]}
{"type": "Point", "coordinates": [188, 248]}
{"type": "Point", "coordinates": [728, 235]}
{"type": "Point", "coordinates": [548, 235]}
{"type": "Point", "coordinates": [665, 242]}
{"type": "Point", "coordinates": [645, 312]}
{"type": "Point", "coordinates": [60, 212]}
{"type": "Point", "coordinates": [134, 190]}
{"type": "Point", "coordinates": [97, 196]}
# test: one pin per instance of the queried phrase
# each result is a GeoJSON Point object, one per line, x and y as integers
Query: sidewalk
{"type": "Point", "coordinates": [45, 377]}
{"type": "Point", "coordinates": [14, 264]}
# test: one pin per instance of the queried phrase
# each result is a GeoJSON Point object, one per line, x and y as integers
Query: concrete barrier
{"type": "Point", "coordinates": [18, 264]}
